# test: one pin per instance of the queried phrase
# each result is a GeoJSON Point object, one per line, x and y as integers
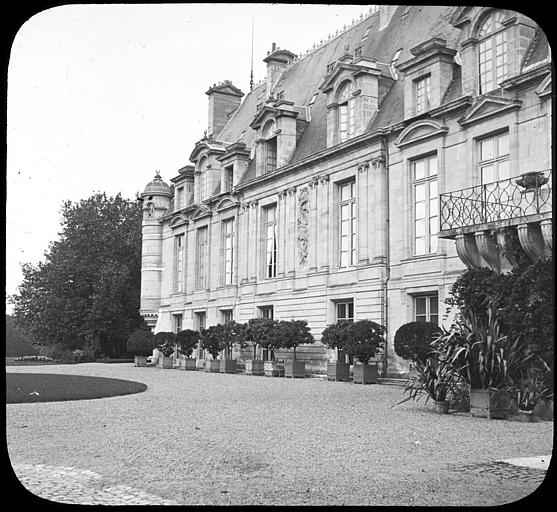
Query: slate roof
{"type": "Point", "coordinates": [408, 27]}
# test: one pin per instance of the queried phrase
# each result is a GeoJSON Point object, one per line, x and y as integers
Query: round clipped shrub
{"type": "Point", "coordinates": [140, 343]}
{"type": "Point", "coordinates": [187, 340]}
{"type": "Point", "coordinates": [413, 340]}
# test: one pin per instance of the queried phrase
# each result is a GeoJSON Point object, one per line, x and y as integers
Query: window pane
{"type": "Point", "coordinates": [503, 144]}
{"type": "Point", "coordinates": [420, 192]}
{"type": "Point", "coordinates": [488, 174]}
{"type": "Point", "coordinates": [433, 243]}
{"type": "Point", "coordinates": [433, 211]}
{"type": "Point", "coordinates": [341, 311]}
{"type": "Point", "coordinates": [433, 166]}
{"type": "Point", "coordinates": [420, 305]}
{"type": "Point", "coordinates": [420, 228]}
{"type": "Point", "coordinates": [433, 304]}
{"type": "Point", "coordinates": [420, 210]}
{"type": "Point", "coordinates": [434, 319]}
{"type": "Point", "coordinates": [504, 170]}
{"type": "Point", "coordinates": [486, 150]}
{"type": "Point", "coordinates": [350, 310]}
{"type": "Point", "coordinates": [419, 170]}
{"type": "Point", "coordinates": [433, 188]}
{"type": "Point", "coordinates": [420, 245]}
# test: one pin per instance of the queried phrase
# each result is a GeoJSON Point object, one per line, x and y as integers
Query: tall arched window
{"type": "Point", "coordinates": [492, 51]}
{"type": "Point", "coordinates": [203, 179]}
{"type": "Point", "coordinates": [345, 112]}
{"type": "Point", "coordinates": [270, 147]}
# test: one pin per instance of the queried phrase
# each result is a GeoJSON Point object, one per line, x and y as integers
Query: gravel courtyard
{"type": "Point", "coordinates": [214, 439]}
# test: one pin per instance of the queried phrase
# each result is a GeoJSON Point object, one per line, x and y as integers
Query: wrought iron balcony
{"type": "Point", "coordinates": [526, 198]}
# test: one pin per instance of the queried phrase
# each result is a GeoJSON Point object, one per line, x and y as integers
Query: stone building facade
{"type": "Point", "coordinates": [359, 179]}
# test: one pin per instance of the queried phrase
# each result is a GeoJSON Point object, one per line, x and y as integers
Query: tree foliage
{"type": "Point", "coordinates": [336, 335]}
{"type": "Point", "coordinates": [258, 331]}
{"type": "Point", "coordinates": [290, 334]}
{"type": "Point", "coordinates": [141, 343]}
{"type": "Point", "coordinates": [187, 340]}
{"type": "Point", "coordinates": [367, 339]}
{"type": "Point", "coordinates": [18, 342]}
{"type": "Point", "coordinates": [414, 340]}
{"type": "Point", "coordinates": [85, 293]}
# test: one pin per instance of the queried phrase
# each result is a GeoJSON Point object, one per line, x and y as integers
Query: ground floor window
{"type": "Point", "coordinates": [426, 308]}
{"type": "Point", "coordinates": [267, 312]}
{"type": "Point", "coordinates": [344, 310]}
{"type": "Point", "coordinates": [201, 323]}
{"type": "Point", "coordinates": [177, 323]}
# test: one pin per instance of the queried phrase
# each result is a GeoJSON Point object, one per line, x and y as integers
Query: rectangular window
{"type": "Point", "coordinates": [422, 92]}
{"type": "Point", "coordinates": [270, 227]}
{"type": "Point", "coordinates": [226, 315]}
{"type": "Point", "coordinates": [424, 175]}
{"type": "Point", "coordinates": [266, 312]}
{"type": "Point", "coordinates": [228, 250]}
{"type": "Point", "coordinates": [202, 258]}
{"type": "Point", "coordinates": [179, 201]}
{"type": "Point", "coordinates": [177, 323]}
{"type": "Point", "coordinates": [494, 158]}
{"type": "Point", "coordinates": [426, 308]}
{"type": "Point", "coordinates": [493, 65]}
{"type": "Point", "coordinates": [271, 154]}
{"type": "Point", "coordinates": [344, 310]}
{"type": "Point", "coordinates": [228, 177]}
{"type": "Point", "coordinates": [179, 263]}
{"type": "Point", "coordinates": [347, 224]}
{"type": "Point", "coordinates": [201, 323]}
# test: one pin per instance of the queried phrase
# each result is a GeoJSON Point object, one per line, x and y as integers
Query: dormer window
{"type": "Point", "coordinates": [203, 179]}
{"type": "Point", "coordinates": [492, 51]}
{"type": "Point", "coordinates": [179, 200]}
{"type": "Point", "coordinates": [269, 147]}
{"type": "Point", "coordinates": [345, 111]}
{"type": "Point", "coordinates": [422, 94]}
{"type": "Point", "coordinates": [228, 178]}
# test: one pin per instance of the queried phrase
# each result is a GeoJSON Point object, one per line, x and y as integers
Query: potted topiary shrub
{"type": "Point", "coordinates": [140, 343]}
{"type": "Point", "coordinates": [187, 340]}
{"type": "Point", "coordinates": [414, 341]}
{"type": "Point", "coordinates": [336, 337]}
{"type": "Point", "coordinates": [211, 341]}
{"type": "Point", "coordinates": [257, 332]}
{"type": "Point", "coordinates": [166, 342]}
{"type": "Point", "coordinates": [366, 341]}
{"type": "Point", "coordinates": [231, 334]}
{"type": "Point", "coordinates": [290, 334]}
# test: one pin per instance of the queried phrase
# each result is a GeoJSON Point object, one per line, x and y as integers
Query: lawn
{"type": "Point", "coordinates": [44, 387]}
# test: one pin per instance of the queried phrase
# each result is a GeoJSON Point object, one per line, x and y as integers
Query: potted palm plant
{"type": "Point", "coordinates": [366, 341]}
{"type": "Point", "coordinates": [257, 332]}
{"type": "Point", "coordinates": [290, 334]}
{"type": "Point", "coordinates": [140, 343]}
{"type": "Point", "coordinates": [187, 340]}
{"type": "Point", "coordinates": [231, 334]}
{"type": "Point", "coordinates": [211, 341]}
{"type": "Point", "coordinates": [166, 343]}
{"type": "Point", "coordinates": [335, 337]}
{"type": "Point", "coordinates": [528, 389]}
{"type": "Point", "coordinates": [483, 358]}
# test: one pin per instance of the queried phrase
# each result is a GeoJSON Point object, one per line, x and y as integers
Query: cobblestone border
{"type": "Point", "coordinates": [503, 470]}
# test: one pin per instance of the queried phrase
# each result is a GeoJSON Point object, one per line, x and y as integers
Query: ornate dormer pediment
{"type": "Point", "coordinates": [178, 220]}
{"type": "Point", "coordinates": [545, 89]}
{"type": "Point", "coordinates": [488, 106]}
{"type": "Point", "coordinates": [206, 146]}
{"type": "Point", "coordinates": [266, 112]}
{"type": "Point", "coordinates": [226, 203]}
{"type": "Point", "coordinates": [363, 65]}
{"type": "Point", "coordinates": [419, 131]}
{"type": "Point", "coordinates": [200, 212]}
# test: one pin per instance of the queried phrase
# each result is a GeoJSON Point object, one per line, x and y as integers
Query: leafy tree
{"type": "Point", "coordinates": [336, 336]}
{"type": "Point", "coordinates": [258, 332]}
{"type": "Point", "coordinates": [211, 339]}
{"type": "Point", "coordinates": [187, 340]}
{"type": "Point", "coordinates": [290, 334]}
{"type": "Point", "coordinates": [85, 294]}
{"type": "Point", "coordinates": [165, 342]}
{"type": "Point", "coordinates": [232, 333]}
{"type": "Point", "coordinates": [367, 338]}
{"type": "Point", "coordinates": [18, 342]}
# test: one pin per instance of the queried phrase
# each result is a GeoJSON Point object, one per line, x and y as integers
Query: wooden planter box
{"type": "Point", "coordinates": [212, 365]}
{"type": "Point", "coordinates": [366, 373]}
{"type": "Point", "coordinates": [140, 361]}
{"type": "Point", "coordinates": [166, 362]}
{"type": "Point", "coordinates": [272, 369]}
{"type": "Point", "coordinates": [489, 403]}
{"type": "Point", "coordinates": [338, 371]}
{"type": "Point", "coordinates": [188, 363]}
{"type": "Point", "coordinates": [255, 367]}
{"type": "Point", "coordinates": [442, 407]}
{"type": "Point", "coordinates": [295, 369]}
{"type": "Point", "coordinates": [228, 365]}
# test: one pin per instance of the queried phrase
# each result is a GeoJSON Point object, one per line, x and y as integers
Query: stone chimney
{"type": "Point", "coordinates": [224, 99]}
{"type": "Point", "coordinates": [276, 60]}
{"type": "Point", "coordinates": [385, 14]}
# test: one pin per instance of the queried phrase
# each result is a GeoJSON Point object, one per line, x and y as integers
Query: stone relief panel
{"type": "Point", "coordinates": [303, 225]}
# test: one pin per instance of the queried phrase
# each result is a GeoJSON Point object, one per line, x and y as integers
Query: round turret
{"type": "Point", "coordinates": [157, 187]}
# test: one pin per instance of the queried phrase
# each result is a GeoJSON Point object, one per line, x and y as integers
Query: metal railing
{"type": "Point", "coordinates": [527, 194]}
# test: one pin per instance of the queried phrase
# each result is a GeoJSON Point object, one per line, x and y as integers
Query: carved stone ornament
{"type": "Point", "coordinates": [303, 225]}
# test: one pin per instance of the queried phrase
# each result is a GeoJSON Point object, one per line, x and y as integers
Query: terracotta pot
{"type": "Point", "coordinates": [255, 367]}
{"type": "Point", "coordinates": [338, 370]}
{"type": "Point", "coordinates": [366, 373]}
{"type": "Point", "coordinates": [228, 365]}
{"type": "Point", "coordinates": [295, 369]}
{"type": "Point", "coordinates": [140, 361]}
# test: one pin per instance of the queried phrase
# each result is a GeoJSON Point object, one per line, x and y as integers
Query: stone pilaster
{"type": "Point", "coordinates": [314, 234]}
{"type": "Point", "coordinates": [291, 231]}
{"type": "Point", "coordinates": [282, 234]}
{"type": "Point", "coordinates": [325, 232]}
{"type": "Point", "coordinates": [243, 243]}
{"type": "Point", "coordinates": [253, 246]}
{"type": "Point", "coordinates": [364, 207]}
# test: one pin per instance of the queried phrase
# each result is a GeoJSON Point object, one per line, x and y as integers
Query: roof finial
{"type": "Point", "coordinates": [251, 72]}
{"type": "Point", "coordinates": [158, 175]}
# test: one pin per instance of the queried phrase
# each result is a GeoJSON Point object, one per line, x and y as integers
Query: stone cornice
{"type": "Point", "coordinates": [526, 77]}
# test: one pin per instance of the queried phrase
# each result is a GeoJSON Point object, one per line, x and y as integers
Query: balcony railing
{"type": "Point", "coordinates": [506, 200]}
